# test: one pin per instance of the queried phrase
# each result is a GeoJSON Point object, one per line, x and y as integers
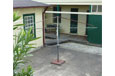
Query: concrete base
{"type": "Point", "coordinates": [58, 62]}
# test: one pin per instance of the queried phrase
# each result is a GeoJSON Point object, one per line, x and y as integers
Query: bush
{"type": "Point", "coordinates": [21, 47]}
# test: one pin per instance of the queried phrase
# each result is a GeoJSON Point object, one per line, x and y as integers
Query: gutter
{"type": "Point", "coordinates": [43, 14]}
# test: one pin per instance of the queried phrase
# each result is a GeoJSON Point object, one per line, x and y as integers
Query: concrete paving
{"type": "Point", "coordinates": [77, 63]}
{"type": "Point", "coordinates": [82, 48]}
{"type": "Point", "coordinates": [51, 39]}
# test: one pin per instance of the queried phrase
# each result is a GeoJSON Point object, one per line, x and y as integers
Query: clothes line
{"type": "Point", "coordinates": [59, 17]}
{"type": "Point", "coordinates": [82, 13]}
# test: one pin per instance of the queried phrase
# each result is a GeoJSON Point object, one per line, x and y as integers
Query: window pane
{"type": "Point", "coordinates": [94, 8]}
{"type": "Point", "coordinates": [54, 8]}
{"type": "Point", "coordinates": [29, 22]}
{"type": "Point", "coordinates": [100, 8]}
{"type": "Point", "coordinates": [25, 18]}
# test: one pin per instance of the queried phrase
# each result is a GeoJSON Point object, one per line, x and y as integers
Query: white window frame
{"type": "Point", "coordinates": [97, 6]}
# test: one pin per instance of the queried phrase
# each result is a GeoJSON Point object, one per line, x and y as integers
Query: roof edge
{"type": "Point", "coordinates": [31, 7]}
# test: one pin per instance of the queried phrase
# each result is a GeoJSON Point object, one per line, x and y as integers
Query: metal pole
{"type": "Point", "coordinates": [58, 34]}
{"type": "Point", "coordinates": [57, 38]}
{"type": "Point", "coordinates": [58, 61]}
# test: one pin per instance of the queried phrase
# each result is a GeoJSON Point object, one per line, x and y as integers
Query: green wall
{"type": "Point", "coordinates": [95, 34]}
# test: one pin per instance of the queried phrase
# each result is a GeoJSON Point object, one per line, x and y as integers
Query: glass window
{"type": "Point", "coordinates": [94, 8]}
{"type": "Point", "coordinates": [100, 8]}
{"type": "Point", "coordinates": [29, 22]}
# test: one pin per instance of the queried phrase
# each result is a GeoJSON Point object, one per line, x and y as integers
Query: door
{"type": "Point", "coordinates": [87, 22]}
{"type": "Point", "coordinates": [95, 35]}
{"type": "Point", "coordinates": [74, 19]}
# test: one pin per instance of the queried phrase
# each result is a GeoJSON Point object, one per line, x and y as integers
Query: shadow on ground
{"type": "Point", "coordinates": [77, 63]}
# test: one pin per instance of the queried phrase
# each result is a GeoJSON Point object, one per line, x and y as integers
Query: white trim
{"type": "Point", "coordinates": [70, 2]}
{"type": "Point", "coordinates": [91, 8]}
{"type": "Point", "coordinates": [97, 9]}
{"type": "Point", "coordinates": [74, 3]}
{"type": "Point", "coordinates": [83, 13]}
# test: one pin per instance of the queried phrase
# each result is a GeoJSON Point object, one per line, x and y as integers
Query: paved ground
{"type": "Point", "coordinates": [82, 48]}
{"type": "Point", "coordinates": [65, 36]}
{"type": "Point", "coordinates": [51, 39]}
{"type": "Point", "coordinates": [77, 63]}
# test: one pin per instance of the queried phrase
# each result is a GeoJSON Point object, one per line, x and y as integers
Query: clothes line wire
{"type": "Point", "coordinates": [62, 18]}
{"type": "Point", "coordinates": [52, 28]}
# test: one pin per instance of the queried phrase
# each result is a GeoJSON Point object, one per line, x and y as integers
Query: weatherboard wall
{"type": "Point", "coordinates": [65, 24]}
{"type": "Point", "coordinates": [38, 24]}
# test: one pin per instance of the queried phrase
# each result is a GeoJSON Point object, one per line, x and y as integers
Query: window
{"type": "Point", "coordinates": [29, 21]}
{"type": "Point", "coordinates": [54, 15]}
{"type": "Point", "coordinates": [96, 8]}
{"type": "Point", "coordinates": [99, 8]}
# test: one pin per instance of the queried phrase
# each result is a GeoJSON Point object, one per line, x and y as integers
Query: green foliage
{"type": "Point", "coordinates": [21, 47]}
{"type": "Point", "coordinates": [15, 18]}
{"type": "Point", "coordinates": [16, 26]}
{"type": "Point", "coordinates": [28, 72]}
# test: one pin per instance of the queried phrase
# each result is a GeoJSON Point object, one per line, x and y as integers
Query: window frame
{"type": "Point", "coordinates": [32, 14]}
{"type": "Point", "coordinates": [97, 8]}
